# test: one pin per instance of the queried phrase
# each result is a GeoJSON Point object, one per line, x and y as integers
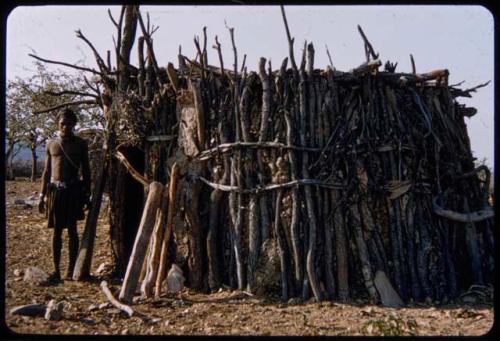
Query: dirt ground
{"type": "Point", "coordinates": [227, 312]}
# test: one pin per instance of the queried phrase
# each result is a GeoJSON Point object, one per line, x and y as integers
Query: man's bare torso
{"type": "Point", "coordinates": [61, 168]}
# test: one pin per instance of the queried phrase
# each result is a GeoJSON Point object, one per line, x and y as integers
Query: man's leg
{"type": "Point", "coordinates": [73, 248]}
{"type": "Point", "coordinates": [56, 253]}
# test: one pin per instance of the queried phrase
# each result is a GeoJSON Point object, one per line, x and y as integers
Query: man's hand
{"type": "Point", "coordinates": [41, 204]}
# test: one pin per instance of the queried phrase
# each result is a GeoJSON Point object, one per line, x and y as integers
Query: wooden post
{"type": "Point", "coordinates": [155, 249]}
{"type": "Point", "coordinates": [84, 259]}
{"type": "Point", "coordinates": [141, 242]}
{"type": "Point", "coordinates": [172, 187]}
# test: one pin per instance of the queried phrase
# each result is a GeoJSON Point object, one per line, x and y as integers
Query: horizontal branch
{"type": "Point", "coordinates": [157, 138]}
{"type": "Point", "coordinates": [67, 64]}
{"type": "Point", "coordinates": [135, 174]}
{"type": "Point", "coordinates": [466, 93]}
{"type": "Point", "coordinates": [67, 104]}
{"type": "Point", "coordinates": [468, 217]}
{"type": "Point", "coordinates": [226, 188]}
{"type": "Point", "coordinates": [225, 147]}
{"type": "Point", "coordinates": [367, 67]}
{"type": "Point", "coordinates": [123, 307]}
{"type": "Point", "coordinates": [68, 92]}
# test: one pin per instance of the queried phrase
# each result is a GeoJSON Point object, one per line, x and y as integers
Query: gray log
{"type": "Point", "coordinates": [141, 242]}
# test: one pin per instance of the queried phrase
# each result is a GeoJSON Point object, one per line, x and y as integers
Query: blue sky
{"type": "Point", "coordinates": [459, 38]}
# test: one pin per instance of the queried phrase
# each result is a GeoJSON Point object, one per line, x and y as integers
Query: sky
{"type": "Point", "coordinates": [458, 38]}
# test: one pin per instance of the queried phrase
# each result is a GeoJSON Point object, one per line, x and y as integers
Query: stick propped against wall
{"type": "Point", "coordinates": [141, 241]}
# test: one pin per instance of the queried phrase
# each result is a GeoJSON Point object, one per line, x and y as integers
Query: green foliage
{"type": "Point", "coordinates": [44, 89]}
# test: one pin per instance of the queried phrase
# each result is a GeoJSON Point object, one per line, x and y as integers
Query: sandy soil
{"type": "Point", "coordinates": [227, 312]}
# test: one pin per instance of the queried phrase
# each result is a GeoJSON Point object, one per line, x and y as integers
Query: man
{"type": "Point", "coordinates": [63, 194]}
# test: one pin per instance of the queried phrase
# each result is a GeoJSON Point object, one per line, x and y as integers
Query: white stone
{"type": "Point", "coordinates": [54, 310]}
{"type": "Point", "coordinates": [103, 268]}
{"type": "Point", "coordinates": [175, 280]}
{"type": "Point", "coordinates": [388, 295]}
{"type": "Point", "coordinates": [36, 275]}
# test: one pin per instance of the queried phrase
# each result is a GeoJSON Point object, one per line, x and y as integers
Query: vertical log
{"type": "Point", "coordinates": [141, 242]}
{"type": "Point", "coordinates": [362, 251]}
{"type": "Point", "coordinates": [310, 259]}
{"type": "Point", "coordinates": [128, 37]}
{"type": "Point", "coordinates": [214, 276]}
{"type": "Point", "coordinates": [264, 123]}
{"type": "Point", "coordinates": [294, 222]}
{"type": "Point", "coordinates": [141, 71]}
{"type": "Point", "coordinates": [283, 248]}
{"type": "Point", "coordinates": [85, 252]}
{"type": "Point", "coordinates": [340, 249]}
{"type": "Point", "coordinates": [423, 248]}
{"type": "Point", "coordinates": [162, 268]}
{"type": "Point", "coordinates": [328, 245]}
{"type": "Point", "coordinates": [253, 219]}
{"type": "Point", "coordinates": [235, 199]}
{"type": "Point", "coordinates": [473, 248]}
{"type": "Point", "coordinates": [155, 248]}
{"type": "Point", "coordinates": [214, 273]}
{"type": "Point", "coordinates": [416, 291]}
{"type": "Point", "coordinates": [195, 236]}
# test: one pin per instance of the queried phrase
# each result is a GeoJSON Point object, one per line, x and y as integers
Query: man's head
{"type": "Point", "coordinates": [66, 121]}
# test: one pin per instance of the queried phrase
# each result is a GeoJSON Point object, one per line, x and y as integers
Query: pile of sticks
{"type": "Point", "coordinates": [349, 173]}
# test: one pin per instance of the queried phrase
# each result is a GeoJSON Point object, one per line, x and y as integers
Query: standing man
{"type": "Point", "coordinates": [63, 193]}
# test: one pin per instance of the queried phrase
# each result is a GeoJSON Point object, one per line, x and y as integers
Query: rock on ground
{"type": "Point", "coordinates": [267, 277]}
{"type": "Point", "coordinates": [35, 275]}
{"type": "Point", "coordinates": [388, 295]}
{"type": "Point", "coordinates": [54, 310]}
{"type": "Point", "coordinates": [175, 279]}
{"type": "Point", "coordinates": [29, 310]}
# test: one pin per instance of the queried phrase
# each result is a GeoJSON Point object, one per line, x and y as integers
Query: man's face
{"type": "Point", "coordinates": [66, 126]}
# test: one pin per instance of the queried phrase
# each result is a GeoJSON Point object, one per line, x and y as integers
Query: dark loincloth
{"type": "Point", "coordinates": [64, 205]}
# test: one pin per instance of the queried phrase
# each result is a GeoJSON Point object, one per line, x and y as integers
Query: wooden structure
{"type": "Point", "coordinates": [349, 172]}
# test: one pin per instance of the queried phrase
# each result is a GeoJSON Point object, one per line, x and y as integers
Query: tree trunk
{"type": "Point", "coordinates": [9, 154]}
{"type": "Point", "coordinates": [33, 163]}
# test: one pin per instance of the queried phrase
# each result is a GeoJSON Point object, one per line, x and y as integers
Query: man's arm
{"type": "Point", "coordinates": [47, 169]}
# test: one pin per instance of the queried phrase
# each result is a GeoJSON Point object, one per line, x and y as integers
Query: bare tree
{"type": "Point", "coordinates": [28, 123]}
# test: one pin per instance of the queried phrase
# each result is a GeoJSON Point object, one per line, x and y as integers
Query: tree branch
{"type": "Point", "coordinates": [135, 174]}
{"type": "Point", "coordinates": [290, 39]}
{"type": "Point", "coordinates": [413, 68]}
{"type": "Point", "coordinates": [112, 19]}
{"type": "Point", "coordinates": [100, 61]}
{"type": "Point", "coordinates": [147, 38]}
{"type": "Point", "coordinates": [225, 147]}
{"type": "Point", "coordinates": [367, 43]}
{"type": "Point", "coordinates": [314, 182]}
{"type": "Point", "coordinates": [67, 64]}
{"type": "Point", "coordinates": [123, 307]}
{"type": "Point", "coordinates": [469, 217]}
{"type": "Point", "coordinates": [67, 104]}
{"type": "Point", "coordinates": [68, 92]}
